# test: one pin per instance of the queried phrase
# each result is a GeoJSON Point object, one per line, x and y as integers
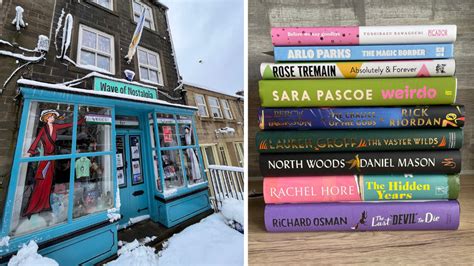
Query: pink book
{"type": "Point", "coordinates": [360, 35]}
{"type": "Point", "coordinates": [311, 189]}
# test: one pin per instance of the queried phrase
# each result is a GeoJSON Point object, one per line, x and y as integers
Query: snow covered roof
{"type": "Point", "coordinates": [212, 90]}
{"type": "Point", "coordinates": [63, 87]}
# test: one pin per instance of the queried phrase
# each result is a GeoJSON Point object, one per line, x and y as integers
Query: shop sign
{"type": "Point", "coordinates": [122, 88]}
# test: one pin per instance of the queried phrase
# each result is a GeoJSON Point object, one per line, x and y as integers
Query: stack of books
{"type": "Point", "coordinates": [368, 140]}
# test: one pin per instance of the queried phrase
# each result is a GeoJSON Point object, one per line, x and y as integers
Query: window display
{"type": "Point", "coordinates": [43, 195]}
{"type": "Point", "coordinates": [137, 173]}
{"type": "Point", "coordinates": [93, 186]}
{"type": "Point", "coordinates": [167, 130]}
{"type": "Point", "coordinates": [172, 170]}
{"type": "Point", "coordinates": [95, 134]}
{"type": "Point", "coordinates": [41, 200]}
{"type": "Point", "coordinates": [193, 169]}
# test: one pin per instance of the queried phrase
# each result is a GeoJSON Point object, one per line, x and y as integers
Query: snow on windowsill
{"type": "Point", "coordinates": [225, 130]}
{"type": "Point", "coordinates": [99, 93]}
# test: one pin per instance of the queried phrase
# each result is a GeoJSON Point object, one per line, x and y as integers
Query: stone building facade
{"type": "Point", "coordinates": [219, 125]}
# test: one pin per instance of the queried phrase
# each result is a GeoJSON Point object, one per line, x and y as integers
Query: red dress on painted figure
{"type": "Point", "coordinates": [40, 197]}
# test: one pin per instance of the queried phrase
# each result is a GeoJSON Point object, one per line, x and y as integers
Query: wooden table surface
{"type": "Point", "coordinates": [409, 247]}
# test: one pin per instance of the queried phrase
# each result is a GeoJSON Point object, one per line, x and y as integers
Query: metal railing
{"type": "Point", "coordinates": [225, 182]}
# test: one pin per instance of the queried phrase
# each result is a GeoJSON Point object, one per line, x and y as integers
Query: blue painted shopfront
{"type": "Point", "coordinates": [144, 153]}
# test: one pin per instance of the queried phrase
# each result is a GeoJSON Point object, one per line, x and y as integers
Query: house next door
{"type": "Point", "coordinates": [131, 175]}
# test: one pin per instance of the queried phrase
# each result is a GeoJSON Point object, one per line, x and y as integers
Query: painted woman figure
{"type": "Point", "coordinates": [195, 169]}
{"type": "Point", "coordinates": [40, 197]}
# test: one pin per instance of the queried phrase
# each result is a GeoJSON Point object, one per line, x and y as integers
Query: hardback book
{"type": "Point", "coordinates": [358, 92]}
{"type": "Point", "coordinates": [358, 140]}
{"type": "Point", "coordinates": [356, 35]}
{"type": "Point", "coordinates": [362, 216]}
{"type": "Point", "coordinates": [359, 69]}
{"type": "Point", "coordinates": [346, 163]}
{"type": "Point", "coordinates": [363, 52]}
{"type": "Point", "coordinates": [434, 116]}
{"type": "Point", "coordinates": [313, 189]}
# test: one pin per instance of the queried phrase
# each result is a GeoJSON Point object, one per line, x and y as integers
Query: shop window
{"type": "Point", "coordinates": [186, 132]}
{"type": "Point", "coordinates": [167, 130]}
{"type": "Point", "coordinates": [227, 110]}
{"type": "Point", "coordinates": [49, 163]}
{"type": "Point", "coordinates": [201, 105]}
{"type": "Point", "coordinates": [172, 169]}
{"type": "Point", "coordinates": [138, 6]}
{"type": "Point", "coordinates": [93, 185]}
{"type": "Point", "coordinates": [105, 3]}
{"type": "Point", "coordinates": [180, 158]}
{"type": "Point", "coordinates": [193, 168]}
{"type": "Point", "coordinates": [95, 134]}
{"type": "Point", "coordinates": [42, 196]}
{"type": "Point", "coordinates": [215, 107]}
{"type": "Point", "coordinates": [150, 66]}
{"type": "Point", "coordinates": [95, 50]}
{"type": "Point", "coordinates": [48, 129]}
{"type": "Point", "coordinates": [135, 154]}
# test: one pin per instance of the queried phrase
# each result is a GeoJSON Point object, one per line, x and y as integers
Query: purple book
{"type": "Point", "coordinates": [362, 216]}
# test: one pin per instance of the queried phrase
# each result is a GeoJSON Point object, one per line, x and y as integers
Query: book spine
{"type": "Point", "coordinates": [359, 140]}
{"type": "Point", "coordinates": [314, 189]}
{"type": "Point", "coordinates": [347, 163]}
{"type": "Point", "coordinates": [354, 35]}
{"type": "Point", "coordinates": [363, 52]}
{"type": "Point", "coordinates": [365, 216]}
{"type": "Point", "coordinates": [311, 189]}
{"type": "Point", "coordinates": [355, 69]}
{"type": "Point", "coordinates": [357, 92]}
{"type": "Point", "coordinates": [448, 116]}
{"type": "Point", "coordinates": [409, 187]}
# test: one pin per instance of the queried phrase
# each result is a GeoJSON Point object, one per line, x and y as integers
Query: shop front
{"type": "Point", "coordinates": [89, 162]}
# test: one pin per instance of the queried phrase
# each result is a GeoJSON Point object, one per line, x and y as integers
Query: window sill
{"type": "Point", "coordinates": [151, 83]}
{"type": "Point", "coordinates": [94, 68]}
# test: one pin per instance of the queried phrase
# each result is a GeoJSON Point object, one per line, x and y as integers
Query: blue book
{"type": "Point", "coordinates": [435, 116]}
{"type": "Point", "coordinates": [363, 52]}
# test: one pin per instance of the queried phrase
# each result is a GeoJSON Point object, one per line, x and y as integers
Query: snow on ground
{"type": "Point", "coordinates": [209, 242]}
{"type": "Point", "coordinates": [28, 255]}
{"type": "Point", "coordinates": [233, 209]}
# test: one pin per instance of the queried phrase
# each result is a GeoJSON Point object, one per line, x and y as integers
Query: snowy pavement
{"type": "Point", "coordinates": [209, 242]}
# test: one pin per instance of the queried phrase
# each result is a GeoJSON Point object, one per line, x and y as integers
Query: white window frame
{"type": "Point", "coordinates": [218, 106]}
{"type": "Point", "coordinates": [205, 154]}
{"type": "Point", "coordinates": [239, 149]}
{"type": "Point", "coordinates": [138, 13]}
{"type": "Point", "coordinates": [96, 50]}
{"type": "Point", "coordinates": [226, 109]}
{"type": "Point", "coordinates": [226, 155]}
{"type": "Point", "coordinates": [110, 7]}
{"type": "Point", "coordinates": [150, 67]}
{"type": "Point", "coordinates": [196, 96]}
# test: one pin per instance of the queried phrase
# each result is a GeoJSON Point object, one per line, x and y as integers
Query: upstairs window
{"type": "Point", "coordinates": [137, 11]}
{"type": "Point", "coordinates": [150, 66]}
{"type": "Point", "coordinates": [215, 107]}
{"type": "Point", "coordinates": [227, 110]}
{"type": "Point", "coordinates": [201, 105]}
{"type": "Point", "coordinates": [96, 50]}
{"type": "Point", "coordinates": [105, 3]}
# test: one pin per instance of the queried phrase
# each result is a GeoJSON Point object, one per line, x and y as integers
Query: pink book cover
{"type": "Point", "coordinates": [315, 36]}
{"type": "Point", "coordinates": [311, 189]}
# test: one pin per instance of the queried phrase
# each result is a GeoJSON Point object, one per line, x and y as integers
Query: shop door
{"type": "Point", "coordinates": [130, 175]}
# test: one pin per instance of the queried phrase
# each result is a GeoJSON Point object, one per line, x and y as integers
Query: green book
{"type": "Point", "coordinates": [359, 140]}
{"type": "Point", "coordinates": [358, 92]}
{"type": "Point", "coordinates": [409, 187]}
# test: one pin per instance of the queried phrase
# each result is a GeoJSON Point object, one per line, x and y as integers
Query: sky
{"type": "Point", "coordinates": [210, 31]}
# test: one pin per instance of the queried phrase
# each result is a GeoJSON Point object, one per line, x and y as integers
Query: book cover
{"type": "Point", "coordinates": [358, 92]}
{"type": "Point", "coordinates": [313, 189]}
{"type": "Point", "coordinates": [358, 69]}
{"type": "Point", "coordinates": [435, 116]}
{"type": "Point", "coordinates": [347, 163]}
{"type": "Point", "coordinates": [362, 216]}
{"type": "Point", "coordinates": [356, 35]}
{"type": "Point", "coordinates": [358, 140]}
{"type": "Point", "coordinates": [363, 52]}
